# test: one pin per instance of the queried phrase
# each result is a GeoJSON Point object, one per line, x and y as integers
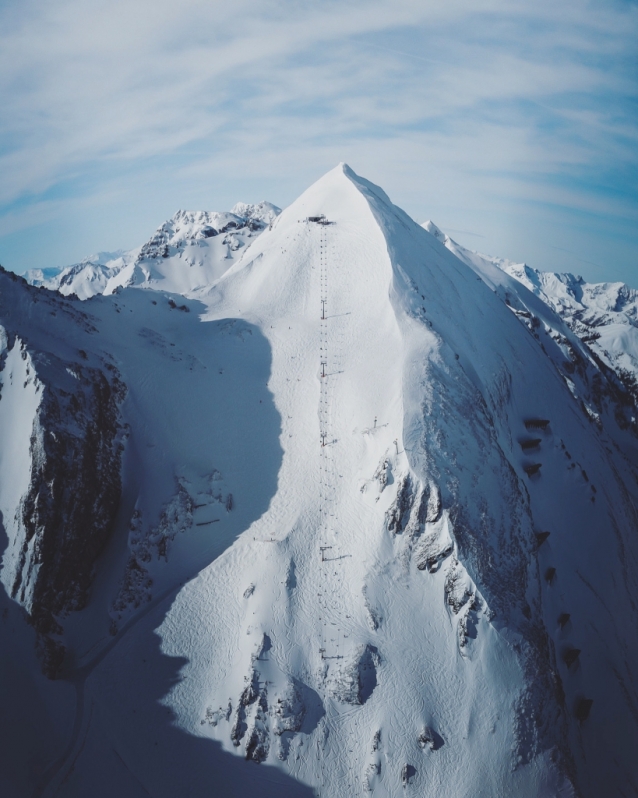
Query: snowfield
{"type": "Point", "coordinates": [377, 526]}
{"type": "Point", "coordinates": [603, 315]}
{"type": "Point", "coordinates": [188, 252]}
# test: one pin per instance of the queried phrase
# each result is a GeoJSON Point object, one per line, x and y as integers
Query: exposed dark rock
{"type": "Point", "coordinates": [258, 744]}
{"type": "Point", "coordinates": [428, 738]}
{"type": "Point", "coordinates": [457, 592]}
{"type": "Point", "coordinates": [433, 547]}
{"type": "Point", "coordinates": [530, 444]}
{"type": "Point", "coordinates": [541, 537]}
{"type": "Point", "coordinates": [355, 680]}
{"type": "Point", "coordinates": [374, 617]}
{"type": "Point", "coordinates": [249, 695]}
{"type": "Point", "coordinates": [399, 512]}
{"type": "Point", "coordinates": [368, 664]}
{"type": "Point", "coordinates": [214, 716]}
{"type": "Point", "coordinates": [571, 656]}
{"type": "Point", "coordinates": [583, 708]}
{"type": "Point", "coordinates": [408, 772]}
{"type": "Point", "coordinates": [70, 507]}
{"type": "Point", "coordinates": [536, 423]}
{"type": "Point", "coordinates": [434, 505]}
{"type": "Point", "coordinates": [382, 472]}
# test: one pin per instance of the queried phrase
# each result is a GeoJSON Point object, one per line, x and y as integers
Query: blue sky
{"type": "Point", "coordinates": [512, 125]}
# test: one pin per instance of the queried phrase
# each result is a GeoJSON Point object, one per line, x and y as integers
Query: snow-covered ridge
{"type": "Point", "coordinates": [376, 533]}
{"type": "Point", "coordinates": [596, 304]}
{"type": "Point", "coordinates": [410, 542]}
{"type": "Point", "coordinates": [188, 252]}
{"type": "Point", "coordinates": [602, 315]}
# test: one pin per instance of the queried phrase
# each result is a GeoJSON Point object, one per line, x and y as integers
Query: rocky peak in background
{"type": "Point", "coordinates": [189, 251]}
{"type": "Point", "coordinates": [603, 316]}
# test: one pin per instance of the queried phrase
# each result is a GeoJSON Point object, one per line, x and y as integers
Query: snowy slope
{"type": "Point", "coordinates": [603, 315]}
{"type": "Point", "coordinates": [44, 276]}
{"type": "Point", "coordinates": [331, 555]}
{"type": "Point", "coordinates": [400, 311]}
{"type": "Point", "coordinates": [188, 252]}
{"type": "Point", "coordinates": [201, 449]}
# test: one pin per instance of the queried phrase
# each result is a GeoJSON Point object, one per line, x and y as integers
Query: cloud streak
{"type": "Point", "coordinates": [472, 111]}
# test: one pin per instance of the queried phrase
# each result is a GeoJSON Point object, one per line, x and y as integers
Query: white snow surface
{"type": "Point", "coordinates": [399, 311]}
{"type": "Point", "coordinates": [188, 252]}
{"type": "Point", "coordinates": [605, 315]}
{"type": "Point", "coordinates": [325, 474]}
{"type": "Point", "coordinates": [21, 394]}
{"type": "Point", "coordinates": [263, 211]}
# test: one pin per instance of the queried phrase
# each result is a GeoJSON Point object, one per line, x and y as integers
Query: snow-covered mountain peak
{"type": "Point", "coordinates": [185, 227]}
{"type": "Point", "coordinates": [409, 392]}
{"type": "Point", "coordinates": [374, 533]}
{"type": "Point", "coordinates": [434, 230]}
{"type": "Point", "coordinates": [274, 276]}
{"type": "Point", "coordinates": [187, 253]}
{"type": "Point", "coordinates": [102, 258]}
{"type": "Point", "coordinates": [602, 315]}
{"type": "Point", "coordinates": [570, 293]}
{"type": "Point", "coordinates": [264, 212]}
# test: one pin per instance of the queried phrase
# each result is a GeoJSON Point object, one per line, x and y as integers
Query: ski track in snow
{"type": "Point", "coordinates": [393, 372]}
{"type": "Point", "coordinates": [345, 410]}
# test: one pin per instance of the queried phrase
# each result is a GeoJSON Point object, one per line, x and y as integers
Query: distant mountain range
{"type": "Point", "coordinates": [186, 255]}
{"type": "Point", "coordinates": [188, 252]}
{"type": "Point", "coordinates": [602, 315]}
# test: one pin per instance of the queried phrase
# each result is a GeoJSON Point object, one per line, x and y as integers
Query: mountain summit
{"type": "Point", "coordinates": [360, 516]}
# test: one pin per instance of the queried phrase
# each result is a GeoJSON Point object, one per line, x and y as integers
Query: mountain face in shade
{"type": "Point", "coordinates": [354, 517]}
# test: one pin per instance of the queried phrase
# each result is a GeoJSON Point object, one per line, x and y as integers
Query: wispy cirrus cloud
{"type": "Point", "coordinates": [515, 120]}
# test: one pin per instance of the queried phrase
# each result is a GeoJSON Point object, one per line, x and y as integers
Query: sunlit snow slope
{"type": "Point", "coordinates": [433, 590]}
{"type": "Point", "coordinates": [393, 617]}
{"type": "Point", "coordinates": [602, 315]}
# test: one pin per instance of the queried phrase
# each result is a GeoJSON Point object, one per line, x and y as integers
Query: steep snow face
{"type": "Point", "coordinates": [20, 396]}
{"type": "Point", "coordinates": [187, 253]}
{"type": "Point", "coordinates": [606, 392]}
{"type": "Point", "coordinates": [136, 444]}
{"type": "Point", "coordinates": [371, 537]}
{"type": "Point", "coordinates": [59, 461]}
{"type": "Point", "coordinates": [603, 315]}
{"type": "Point", "coordinates": [391, 621]}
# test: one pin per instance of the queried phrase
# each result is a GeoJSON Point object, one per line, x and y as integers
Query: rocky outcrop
{"type": "Point", "coordinates": [268, 713]}
{"type": "Point", "coordinates": [354, 680]}
{"type": "Point", "coordinates": [62, 515]}
{"type": "Point", "coordinates": [187, 226]}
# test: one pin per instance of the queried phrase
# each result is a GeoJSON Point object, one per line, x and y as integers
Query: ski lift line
{"type": "Point", "coordinates": [327, 466]}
